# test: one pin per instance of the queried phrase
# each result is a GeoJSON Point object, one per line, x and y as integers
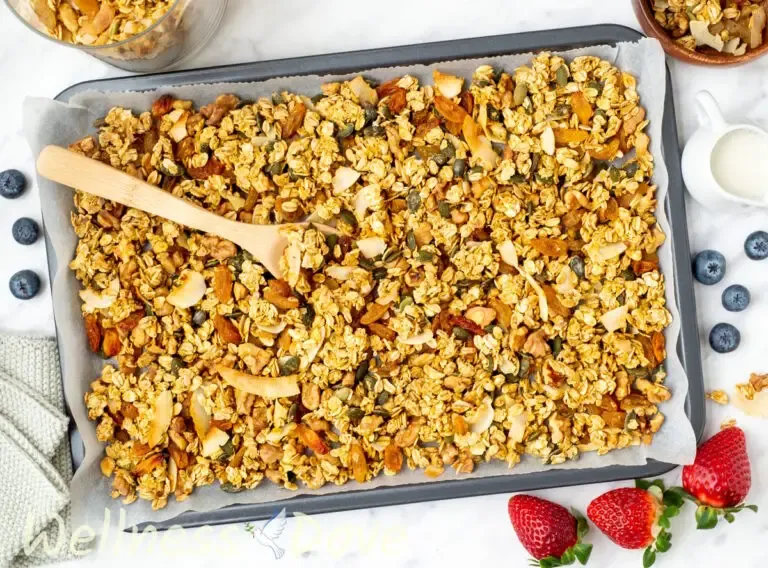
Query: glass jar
{"type": "Point", "coordinates": [183, 30]}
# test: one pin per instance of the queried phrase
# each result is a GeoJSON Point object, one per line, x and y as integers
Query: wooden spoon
{"type": "Point", "coordinates": [264, 242]}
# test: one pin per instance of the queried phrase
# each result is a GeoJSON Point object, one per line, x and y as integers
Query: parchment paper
{"type": "Point", "coordinates": [50, 122]}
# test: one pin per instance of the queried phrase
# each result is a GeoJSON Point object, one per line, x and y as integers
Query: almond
{"type": "Point", "coordinates": [93, 332]}
{"type": "Point", "coordinates": [310, 438]}
{"type": "Point", "coordinates": [111, 345]}
{"type": "Point", "coordinates": [226, 329]}
{"type": "Point", "coordinates": [550, 246]}
{"type": "Point", "coordinates": [374, 313]}
{"type": "Point", "coordinates": [382, 331]}
{"type": "Point", "coordinates": [222, 283]}
{"type": "Point", "coordinates": [291, 124]}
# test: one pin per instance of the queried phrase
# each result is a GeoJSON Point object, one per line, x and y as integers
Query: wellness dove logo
{"type": "Point", "coordinates": [270, 532]}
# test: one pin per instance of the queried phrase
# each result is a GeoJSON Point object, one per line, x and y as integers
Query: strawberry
{"type": "Point", "coordinates": [633, 517]}
{"type": "Point", "coordinates": [548, 531]}
{"type": "Point", "coordinates": [720, 477]}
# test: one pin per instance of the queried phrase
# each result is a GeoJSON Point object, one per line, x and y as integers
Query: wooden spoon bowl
{"type": "Point", "coordinates": [652, 28]}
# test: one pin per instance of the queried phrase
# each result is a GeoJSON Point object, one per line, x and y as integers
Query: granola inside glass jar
{"type": "Point", "coordinates": [143, 35]}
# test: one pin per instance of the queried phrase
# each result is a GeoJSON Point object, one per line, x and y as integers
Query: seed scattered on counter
{"type": "Point", "coordinates": [24, 285]}
{"type": "Point", "coordinates": [736, 298]}
{"type": "Point", "coordinates": [724, 338]}
{"type": "Point", "coordinates": [25, 231]}
{"type": "Point", "coordinates": [756, 245]}
{"type": "Point", "coordinates": [709, 267]}
{"type": "Point", "coordinates": [718, 396]}
{"type": "Point", "coordinates": [12, 184]}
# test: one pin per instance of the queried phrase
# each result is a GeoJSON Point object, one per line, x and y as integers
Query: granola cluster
{"type": "Point", "coordinates": [494, 290]}
{"type": "Point", "coordinates": [727, 26]}
{"type": "Point", "coordinates": [98, 22]}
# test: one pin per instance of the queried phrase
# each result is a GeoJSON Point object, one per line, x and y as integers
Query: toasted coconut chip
{"type": "Point", "coordinates": [517, 429]}
{"type": "Point", "coordinates": [363, 200]}
{"type": "Point", "coordinates": [372, 246]}
{"type": "Point", "coordinates": [344, 178]}
{"type": "Point", "coordinates": [448, 85]}
{"type": "Point", "coordinates": [615, 319]}
{"type": "Point", "coordinates": [200, 417]}
{"type": "Point", "coordinates": [273, 329]}
{"type": "Point", "coordinates": [338, 272]}
{"type": "Point", "coordinates": [483, 417]}
{"type": "Point", "coordinates": [506, 366]}
{"type": "Point", "coordinates": [310, 355]}
{"type": "Point", "coordinates": [700, 32]}
{"type": "Point", "coordinates": [261, 141]}
{"type": "Point", "coordinates": [100, 300]}
{"type": "Point", "coordinates": [548, 141]}
{"type": "Point", "coordinates": [179, 130]}
{"type": "Point", "coordinates": [363, 91]}
{"type": "Point", "coordinates": [610, 251]}
{"type": "Point", "coordinates": [509, 255]}
{"type": "Point", "coordinates": [478, 144]}
{"type": "Point", "coordinates": [213, 440]}
{"type": "Point", "coordinates": [173, 474]}
{"type": "Point", "coordinates": [757, 407]}
{"type": "Point", "coordinates": [162, 413]}
{"type": "Point", "coordinates": [188, 290]}
{"type": "Point", "coordinates": [419, 339]}
{"type": "Point", "coordinates": [266, 387]}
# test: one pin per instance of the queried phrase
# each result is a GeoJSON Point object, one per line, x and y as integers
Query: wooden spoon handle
{"type": "Point", "coordinates": [94, 177]}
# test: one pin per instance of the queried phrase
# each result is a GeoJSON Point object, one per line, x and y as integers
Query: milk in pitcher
{"type": "Point", "coordinates": [737, 163]}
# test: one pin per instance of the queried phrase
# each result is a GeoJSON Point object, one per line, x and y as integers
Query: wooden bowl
{"type": "Point", "coordinates": [652, 28]}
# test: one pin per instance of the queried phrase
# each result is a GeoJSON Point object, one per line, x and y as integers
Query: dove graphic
{"type": "Point", "coordinates": [270, 532]}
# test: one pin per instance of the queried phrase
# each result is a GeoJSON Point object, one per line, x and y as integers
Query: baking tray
{"type": "Point", "coordinates": [342, 63]}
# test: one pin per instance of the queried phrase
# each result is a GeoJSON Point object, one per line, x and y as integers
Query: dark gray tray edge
{"type": "Point", "coordinates": [339, 63]}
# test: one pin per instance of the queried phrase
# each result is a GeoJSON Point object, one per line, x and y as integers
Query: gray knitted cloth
{"type": "Point", "coordinates": [35, 463]}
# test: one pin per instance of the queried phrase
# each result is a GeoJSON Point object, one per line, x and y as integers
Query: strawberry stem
{"type": "Point", "coordinates": [707, 516]}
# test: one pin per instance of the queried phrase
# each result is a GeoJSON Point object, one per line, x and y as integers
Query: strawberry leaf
{"type": "Point", "coordinates": [729, 517]}
{"type": "Point", "coordinates": [582, 528]}
{"type": "Point", "coordinates": [582, 552]}
{"type": "Point", "coordinates": [642, 484]}
{"type": "Point", "coordinates": [663, 522]}
{"type": "Point", "coordinates": [549, 562]}
{"type": "Point", "coordinates": [752, 508]}
{"type": "Point", "coordinates": [568, 557]}
{"type": "Point", "coordinates": [671, 511]}
{"type": "Point", "coordinates": [663, 541]}
{"type": "Point", "coordinates": [706, 518]}
{"type": "Point", "coordinates": [673, 497]}
{"type": "Point", "coordinates": [649, 557]}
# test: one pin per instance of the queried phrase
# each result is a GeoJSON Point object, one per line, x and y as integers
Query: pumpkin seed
{"type": "Point", "coordinates": [383, 412]}
{"type": "Point", "coordinates": [639, 372]}
{"type": "Point", "coordinates": [410, 240]}
{"type": "Point", "coordinates": [227, 451]}
{"type": "Point", "coordinates": [391, 255]}
{"type": "Point", "coordinates": [426, 256]}
{"type": "Point", "coordinates": [370, 382]}
{"type": "Point", "coordinates": [234, 314]}
{"type": "Point", "coordinates": [440, 158]}
{"type": "Point", "coordinates": [331, 239]}
{"type": "Point", "coordinates": [459, 167]}
{"type": "Point", "coordinates": [602, 113]}
{"type": "Point", "coordinates": [483, 83]}
{"type": "Point", "coordinates": [176, 365]}
{"type": "Point", "coordinates": [596, 85]}
{"type": "Point", "coordinates": [277, 168]}
{"type": "Point", "coordinates": [557, 346]}
{"type": "Point", "coordinates": [291, 477]}
{"type": "Point", "coordinates": [562, 111]}
{"type": "Point", "coordinates": [461, 333]}
{"type": "Point", "coordinates": [366, 263]}
{"type": "Point", "coordinates": [476, 170]}
{"type": "Point", "coordinates": [292, 412]}
{"type": "Point", "coordinates": [614, 173]}
{"type": "Point", "coordinates": [308, 317]}
{"type": "Point", "coordinates": [521, 92]}
{"type": "Point", "coordinates": [382, 399]}
{"type": "Point", "coordinates": [348, 217]}
{"type": "Point", "coordinates": [277, 99]}
{"type": "Point", "coordinates": [317, 98]}
{"type": "Point", "coordinates": [379, 273]}
{"type": "Point", "coordinates": [631, 168]}
{"type": "Point", "coordinates": [628, 274]}
{"type": "Point", "coordinates": [405, 302]}
{"type": "Point", "coordinates": [444, 208]}
{"type": "Point", "coordinates": [227, 487]}
{"type": "Point", "coordinates": [577, 265]}
{"type": "Point", "coordinates": [529, 208]}
{"type": "Point", "coordinates": [413, 200]}
{"type": "Point", "coordinates": [518, 178]}
{"type": "Point", "coordinates": [362, 370]}
{"type": "Point", "coordinates": [511, 378]}
{"type": "Point", "coordinates": [355, 414]}
{"type": "Point", "coordinates": [561, 76]}
{"type": "Point", "coordinates": [385, 112]}
{"type": "Point", "coordinates": [170, 168]}
{"type": "Point", "coordinates": [346, 131]}
{"type": "Point", "coordinates": [211, 263]}
{"type": "Point", "coordinates": [493, 113]}
{"type": "Point", "coordinates": [622, 298]}
{"type": "Point", "coordinates": [449, 151]}
{"type": "Point", "coordinates": [377, 130]}
{"type": "Point", "coordinates": [525, 367]}
{"type": "Point", "coordinates": [288, 365]}
{"type": "Point", "coordinates": [370, 113]}
{"type": "Point", "coordinates": [199, 317]}
{"type": "Point", "coordinates": [544, 180]}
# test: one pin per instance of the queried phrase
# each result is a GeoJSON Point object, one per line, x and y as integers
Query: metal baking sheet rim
{"type": "Point", "coordinates": [339, 63]}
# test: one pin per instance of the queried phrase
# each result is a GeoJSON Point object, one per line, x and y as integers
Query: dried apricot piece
{"type": "Point", "coordinates": [93, 332]}
{"type": "Point", "coordinates": [382, 331]}
{"type": "Point", "coordinates": [607, 151]}
{"type": "Point", "coordinates": [310, 439]}
{"type": "Point", "coordinates": [358, 464]}
{"type": "Point", "coordinates": [374, 313]}
{"type": "Point", "coordinates": [449, 110]}
{"type": "Point", "coordinates": [222, 283]}
{"type": "Point", "coordinates": [658, 344]}
{"type": "Point", "coordinates": [460, 425]}
{"type": "Point", "coordinates": [581, 107]}
{"type": "Point", "coordinates": [642, 266]}
{"type": "Point", "coordinates": [212, 167]}
{"type": "Point", "coordinates": [111, 345]}
{"type": "Point", "coordinates": [553, 301]}
{"type": "Point", "coordinates": [504, 312]}
{"type": "Point", "coordinates": [291, 124]}
{"type": "Point", "coordinates": [550, 246]}
{"type": "Point", "coordinates": [162, 106]}
{"type": "Point", "coordinates": [467, 101]}
{"type": "Point", "coordinates": [386, 89]}
{"type": "Point", "coordinates": [226, 329]}
{"type": "Point", "coordinates": [393, 458]}
{"type": "Point", "coordinates": [397, 100]}
{"type": "Point", "coordinates": [565, 136]}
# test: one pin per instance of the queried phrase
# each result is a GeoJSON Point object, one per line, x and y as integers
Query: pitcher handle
{"type": "Point", "coordinates": [708, 111]}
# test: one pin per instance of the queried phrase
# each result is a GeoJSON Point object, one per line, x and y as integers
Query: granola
{"type": "Point", "coordinates": [494, 293]}
{"type": "Point", "coordinates": [98, 22]}
{"type": "Point", "coordinates": [726, 26]}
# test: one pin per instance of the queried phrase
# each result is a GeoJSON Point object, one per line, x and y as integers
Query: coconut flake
{"type": "Point", "coordinates": [188, 290]}
{"type": "Point", "coordinates": [338, 272]}
{"type": "Point", "coordinates": [548, 141]}
{"type": "Point", "coordinates": [162, 412]}
{"type": "Point", "coordinates": [372, 246]}
{"type": "Point", "coordinates": [609, 251]}
{"type": "Point", "coordinates": [364, 199]}
{"type": "Point", "coordinates": [615, 319]}
{"type": "Point", "coordinates": [757, 407]}
{"type": "Point", "coordinates": [363, 91]}
{"type": "Point", "coordinates": [200, 417]}
{"type": "Point", "coordinates": [700, 32]}
{"type": "Point", "coordinates": [509, 255]}
{"type": "Point", "coordinates": [420, 339]}
{"type": "Point", "coordinates": [517, 429]}
{"type": "Point", "coordinates": [310, 355]}
{"type": "Point", "coordinates": [273, 329]}
{"type": "Point", "coordinates": [265, 387]}
{"type": "Point", "coordinates": [100, 300]}
{"type": "Point", "coordinates": [447, 85]}
{"type": "Point", "coordinates": [179, 130]}
{"type": "Point", "coordinates": [344, 178]}
{"type": "Point", "coordinates": [483, 417]}
{"type": "Point", "coordinates": [506, 366]}
{"type": "Point", "coordinates": [213, 441]}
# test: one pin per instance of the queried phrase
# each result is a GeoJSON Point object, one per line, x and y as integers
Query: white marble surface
{"type": "Point", "coordinates": [459, 532]}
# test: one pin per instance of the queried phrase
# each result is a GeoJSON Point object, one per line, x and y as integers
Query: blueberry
{"type": "Point", "coordinates": [25, 231]}
{"type": "Point", "coordinates": [12, 184]}
{"type": "Point", "coordinates": [756, 245]}
{"type": "Point", "coordinates": [736, 298]}
{"type": "Point", "coordinates": [724, 338]}
{"type": "Point", "coordinates": [709, 267]}
{"type": "Point", "coordinates": [24, 284]}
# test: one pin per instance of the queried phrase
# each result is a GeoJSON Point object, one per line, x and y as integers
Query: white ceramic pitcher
{"type": "Point", "coordinates": [697, 159]}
